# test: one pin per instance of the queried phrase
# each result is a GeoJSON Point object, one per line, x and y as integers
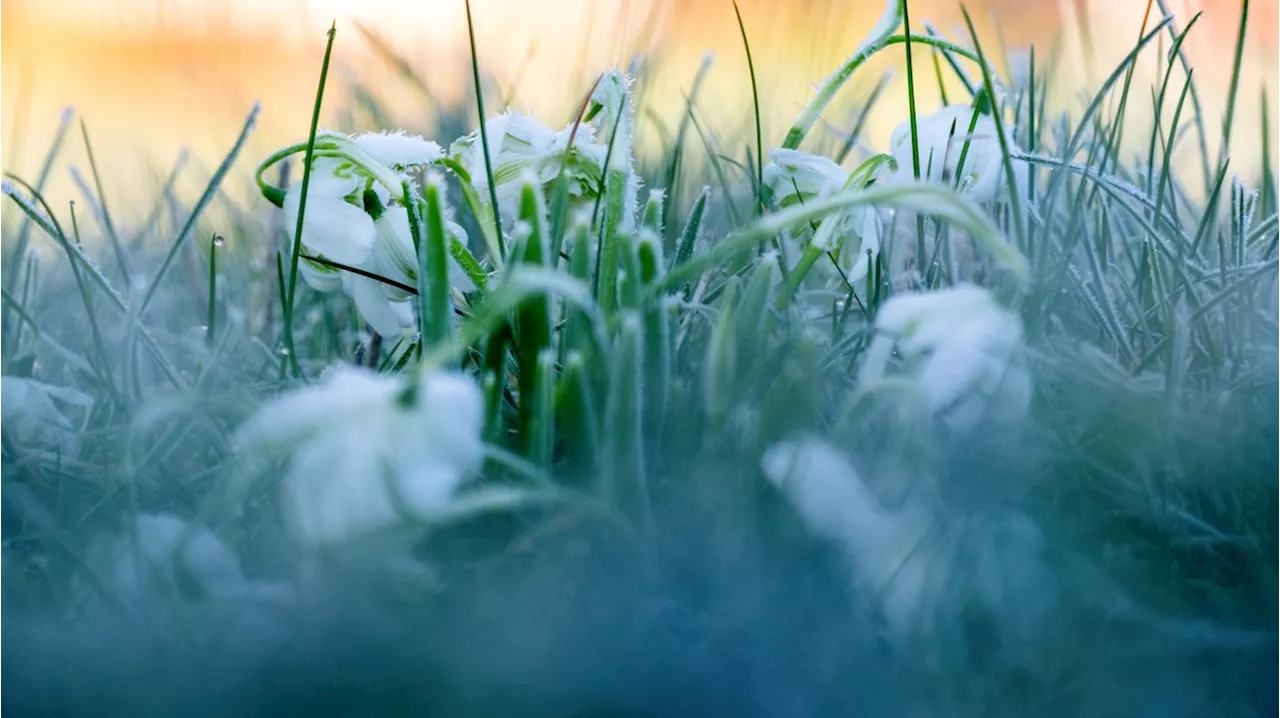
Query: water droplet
{"type": "Point", "coordinates": [218, 240]}
{"type": "Point", "coordinates": [284, 351]}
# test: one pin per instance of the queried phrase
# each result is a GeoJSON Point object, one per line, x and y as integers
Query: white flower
{"type": "Point", "coordinates": [942, 137]}
{"type": "Point", "coordinates": [367, 447]}
{"type": "Point", "coordinates": [962, 348]}
{"type": "Point", "coordinates": [399, 150]}
{"type": "Point", "coordinates": [794, 176]}
{"type": "Point", "coordinates": [395, 256]}
{"type": "Point", "coordinates": [518, 142]}
{"type": "Point", "coordinates": [337, 226]}
{"type": "Point", "coordinates": [855, 236]}
{"type": "Point", "coordinates": [611, 100]}
{"type": "Point", "coordinates": [163, 556]}
{"type": "Point", "coordinates": [30, 411]}
{"type": "Point", "coordinates": [831, 498]}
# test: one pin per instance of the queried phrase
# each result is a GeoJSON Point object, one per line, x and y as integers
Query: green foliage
{"type": "Point", "coordinates": [636, 363]}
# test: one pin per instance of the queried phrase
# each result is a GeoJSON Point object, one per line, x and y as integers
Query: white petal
{"type": "Point", "coordinates": [386, 317]}
{"type": "Point", "coordinates": [335, 490]}
{"type": "Point", "coordinates": [451, 409]}
{"type": "Point", "coordinates": [146, 561]}
{"type": "Point", "coordinates": [320, 277]}
{"type": "Point", "coordinates": [394, 254]}
{"type": "Point", "coordinates": [812, 175]}
{"type": "Point", "coordinates": [344, 391]}
{"type": "Point", "coordinates": [333, 227]}
{"type": "Point", "coordinates": [398, 149]}
{"type": "Point", "coordinates": [825, 489]}
{"type": "Point", "coordinates": [953, 369]}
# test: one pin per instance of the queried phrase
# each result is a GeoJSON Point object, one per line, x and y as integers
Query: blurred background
{"type": "Point", "coordinates": [154, 77]}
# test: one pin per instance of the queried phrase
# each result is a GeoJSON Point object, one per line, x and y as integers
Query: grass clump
{"type": "Point", "coordinates": [978, 423]}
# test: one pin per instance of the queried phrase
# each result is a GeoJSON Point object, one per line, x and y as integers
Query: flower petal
{"type": "Point", "coordinates": [398, 149]}
{"type": "Point", "coordinates": [387, 318]}
{"type": "Point", "coordinates": [332, 227]}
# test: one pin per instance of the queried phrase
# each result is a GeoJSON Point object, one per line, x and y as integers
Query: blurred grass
{"type": "Point", "coordinates": [1150, 311]}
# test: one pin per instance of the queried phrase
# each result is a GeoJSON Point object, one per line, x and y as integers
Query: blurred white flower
{"type": "Point", "coordinates": [962, 348]}
{"type": "Point", "coordinates": [518, 142]}
{"type": "Point", "coordinates": [163, 556]}
{"type": "Point", "coordinates": [30, 411]}
{"type": "Point", "coordinates": [833, 501]}
{"type": "Point", "coordinates": [927, 570]}
{"type": "Point", "coordinates": [795, 177]}
{"type": "Point", "coordinates": [942, 137]}
{"type": "Point", "coordinates": [366, 449]}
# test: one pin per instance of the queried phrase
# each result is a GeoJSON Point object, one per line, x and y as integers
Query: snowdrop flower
{"type": "Point", "coordinates": [31, 413]}
{"type": "Point", "coordinates": [942, 138]}
{"type": "Point", "coordinates": [518, 142]}
{"type": "Point", "coordinates": [367, 448]}
{"type": "Point", "coordinates": [795, 177]}
{"type": "Point", "coordinates": [961, 347]}
{"type": "Point", "coordinates": [162, 556]}
{"type": "Point", "coordinates": [855, 236]}
{"type": "Point", "coordinates": [927, 570]}
{"type": "Point", "coordinates": [611, 100]}
{"type": "Point", "coordinates": [354, 180]}
{"type": "Point", "coordinates": [831, 498]}
{"type": "Point", "coordinates": [337, 225]}
{"type": "Point", "coordinates": [395, 256]}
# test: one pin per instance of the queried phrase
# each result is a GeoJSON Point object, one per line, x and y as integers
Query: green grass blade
{"type": "Point", "coordinates": [290, 358]}
{"type": "Point", "coordinates": [122, 259]}
{"type": "Point", "coordinates": [876, 41]}
{"type": "Point", "coordinates": [484, 138]}
{"type": "Point", "coordinates": [201, 205]}
{"type": "Point", "coordinates": [755, 107]}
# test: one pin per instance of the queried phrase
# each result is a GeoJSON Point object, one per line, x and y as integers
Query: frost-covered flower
{"type": "Point", "coordinates": [35, 412]}
{"type": "Point", "coordinates": [395, 256]}
{"type": "Point", "coordinates": [962, 348]}
{"type": "Point", "coordinates": [928, 571]}
{"type": "Point", "coordinates": [337, 225]}
{"type": "Point", "coordinates": [366, 449]}
{"type": "Point", "coordinates": [835, 503]}
{"type": "Point", "coordinates": [942, 137]}
{"type": "Point", "coordinates": [164, 556]}
{"type": "Point", "coordinates": [354, 180]}
{"type": "Point", "coordinates": [518, 142]}
{"type": "Point", "coordinates": [795, 177]}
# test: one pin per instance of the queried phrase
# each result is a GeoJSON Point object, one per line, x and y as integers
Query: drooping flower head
{"type": "Point", "coordinates": [961, 347]}
{"type": "Point", "coordinates": [795, 177]}
{"type": "Point", "coordinates": [854, 236]}
{"type": "Point", "coordinates": [518, 142]}
{"type": "Point", "coordinates": [368, 451]}
{"type": "Point", "coordinates": [350, 176]}
{"type": "Point", "coordinates": [942, 139]}
{"type": "Point", "coordinates": [356, 216]}
{"type": "Point", "coordinates": [159, 556]}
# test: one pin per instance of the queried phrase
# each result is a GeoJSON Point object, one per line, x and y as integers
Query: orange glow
{"type": "Point", "coordinates": [153, 76]}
